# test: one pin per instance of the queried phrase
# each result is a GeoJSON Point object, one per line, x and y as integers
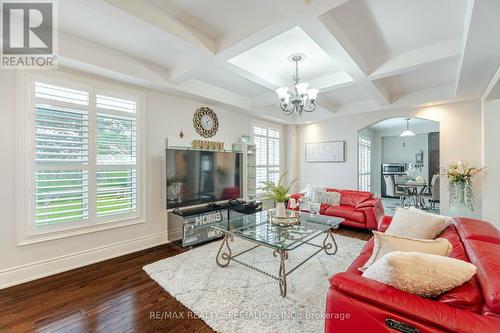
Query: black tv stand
{"type": "Point", "coordinates": [196, 222]}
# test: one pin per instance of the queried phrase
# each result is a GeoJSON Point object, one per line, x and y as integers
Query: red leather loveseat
{"type": "Point", "coordinates": [358, 304]}
{"type": "Point", "coordinates": [359, 208]}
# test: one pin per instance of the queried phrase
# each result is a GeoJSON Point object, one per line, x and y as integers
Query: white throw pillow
{"type": "Point", "coordinates": [412, 224]}
{"type": "Point", "coordinates": [448, 219]}
{"type": "Point", "coordinates": [316, 194]}
{"type": "Point", "coordinates": [383, 244]}
{"type": "Point", "coordinates": [311, 188]}
{"type": "Point", "coordinates": [422, 274]}
{"type": "Point", "coordinates": [328, 198]}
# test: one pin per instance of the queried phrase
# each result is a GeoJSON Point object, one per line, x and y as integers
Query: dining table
{"type": "Point", "coordinates": [414, 191]}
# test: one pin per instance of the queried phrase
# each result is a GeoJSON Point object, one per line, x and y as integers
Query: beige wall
{"type": "Point", "coordinates": [460, 127]}
{"type": "Point", "coordinates": [165, 116]}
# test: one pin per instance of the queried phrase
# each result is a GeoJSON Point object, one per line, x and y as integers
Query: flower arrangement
{"type": "Point", "coordinates": [461, 172]}
{"type": "Point", "coordinates": [460, 182]}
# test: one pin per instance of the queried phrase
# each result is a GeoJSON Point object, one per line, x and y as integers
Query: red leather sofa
{"type": "Point", "coordinates": [359, 208]}
{"type": "Point", "coordinates": [358, 304]}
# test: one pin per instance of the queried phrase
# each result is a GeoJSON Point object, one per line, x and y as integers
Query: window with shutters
{"type": "Point", "coordinates": [267, 142]}
{"type": "Point", "coordinates": [364, 163]}
{"type": "Point", "coordinates": [84, 160]}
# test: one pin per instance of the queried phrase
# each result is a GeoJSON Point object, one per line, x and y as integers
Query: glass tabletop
{"type": "Point", "coordinates": [255, 228]}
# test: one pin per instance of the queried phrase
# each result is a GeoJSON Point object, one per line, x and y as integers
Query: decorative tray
{"type": "Point", "coordinates": [292, 217]}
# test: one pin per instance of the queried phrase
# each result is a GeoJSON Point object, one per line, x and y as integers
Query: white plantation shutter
{"type": "Point", "coordinates": [61, 94]}
{"type": "Point", "coordinates": [61, 155]}
{"type": "Point", "coordinates": [267, 142]}
{"type": "Point", "coordinates": [84, 153]}
{"type": "Point", "coordinates": [116, 156]}
{"type": "Point", "coordinates": [364, 161]}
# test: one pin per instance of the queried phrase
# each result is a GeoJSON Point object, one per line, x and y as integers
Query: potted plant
{"type": "Point", "coordinates": [279, 193]}
{"type": "Point", "coordinates": [460, 187]}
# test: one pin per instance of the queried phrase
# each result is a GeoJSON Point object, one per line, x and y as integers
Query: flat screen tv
{"type": "Point", "coordinates": [196, 177]}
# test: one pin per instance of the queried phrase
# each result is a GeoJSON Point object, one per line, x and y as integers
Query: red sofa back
{"type": "Point", "coordinates": [351, 197]}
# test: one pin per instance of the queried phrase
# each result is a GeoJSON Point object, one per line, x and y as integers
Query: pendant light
{"type": "Point", "coordinates": [407, 132]}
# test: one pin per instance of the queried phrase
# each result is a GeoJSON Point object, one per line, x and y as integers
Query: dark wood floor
{"type": "Point", "coordinates": [111, 296]}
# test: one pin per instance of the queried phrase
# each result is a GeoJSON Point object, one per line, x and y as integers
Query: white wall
{"type": "Point", "coordinates": [491, 159]}
{"type": "Point", "coordinates": [460, 134]}
{"type": "Point", "coordinates": [165, 116]}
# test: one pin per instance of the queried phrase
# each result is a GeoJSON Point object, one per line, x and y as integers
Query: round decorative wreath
{"type": "Point", "coordinates": [197, 118]}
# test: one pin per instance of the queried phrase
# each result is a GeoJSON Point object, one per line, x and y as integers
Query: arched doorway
{"type": "Point", "coordinates": [398, 160]}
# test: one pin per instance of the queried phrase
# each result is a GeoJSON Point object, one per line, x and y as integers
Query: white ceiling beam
{"type": "Point", "coordinates": [191, 69]}
{"type": "Point", "coordinates": [236, 42]}
{"type": "Point", "coordinates": [328, 35]}
{"type": "Point", "coordinates": [416, 59]}
{"type": "Point", "coordinates": [320, 7]}
{"type": "Point", "coordinates": [247, 75]}
{"type": "Point", "coordinates": [167, 23]}
{"type": "Point", "coordinates": [481, 51]}
{"type": "Point", "coordinates": [82, 55]}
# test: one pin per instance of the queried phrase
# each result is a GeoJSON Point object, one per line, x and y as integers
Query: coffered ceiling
{"type": "Point", "coordinates": [363, 55]}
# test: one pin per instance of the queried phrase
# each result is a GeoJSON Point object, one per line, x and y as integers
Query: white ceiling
{"type": "Point", "coordinates": [270, 62]}
{"type": "Point", "coordinates": [363, 55]}
{"type": "Point", "coordinates": [384, 28]}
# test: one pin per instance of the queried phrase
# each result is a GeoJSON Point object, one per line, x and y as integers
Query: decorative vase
{"type": "Point", "coordinates": [280, 209]}
{"type": "Point", "coordinates": [458, 205]}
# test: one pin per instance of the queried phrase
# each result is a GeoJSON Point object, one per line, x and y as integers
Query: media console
{"type": "Point", "coordinates": [196, 222]}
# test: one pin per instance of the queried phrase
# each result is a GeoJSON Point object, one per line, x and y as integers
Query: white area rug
{"type": "Point", "coordinates": [238, 299]}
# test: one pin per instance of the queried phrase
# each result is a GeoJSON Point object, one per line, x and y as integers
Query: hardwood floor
{"type": "Point", "coordinates": [111, 296]}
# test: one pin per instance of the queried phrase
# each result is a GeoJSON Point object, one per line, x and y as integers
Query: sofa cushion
{"type": "Point", "coordinates": [346, 212]}
{"type": "Point", "coordinates": [352, 198]}
{"type": "Point", "coordinates": [328, 198]}
{"type": "Point", "coordinates": [476, 229]}
{"type": "Point", "coordinates": [427, 275]}
{"type": "Point", "coordinates": [385, 243]}
{"type": "Point", "coordinates": [413, 224]}
{"type": "Point", "coordinates": [486, 258]}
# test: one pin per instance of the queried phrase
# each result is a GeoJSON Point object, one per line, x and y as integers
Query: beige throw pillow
{"type": "Point", "coordinates": [412, 224]}
{"type": "Point", "coordinates": [422, 274]}
{"type": "Point", "coordinates": [383, 244]}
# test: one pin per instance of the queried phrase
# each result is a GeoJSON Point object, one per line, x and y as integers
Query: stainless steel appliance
{"type": "Point", "coordinates": [391, 172]}
{"type": "Point", "coordinates": [393, 168]}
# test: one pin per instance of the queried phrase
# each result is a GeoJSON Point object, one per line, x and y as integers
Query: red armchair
{"type": "Point", "coordinates": [358, 208]}
{"type": "Point", "coordinates": [356, 304]}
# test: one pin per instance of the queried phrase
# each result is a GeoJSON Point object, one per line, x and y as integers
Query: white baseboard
{"type": "Point", "coordinates": [174, 234]}
{"type": "Point", "coordinates": [25, 273]}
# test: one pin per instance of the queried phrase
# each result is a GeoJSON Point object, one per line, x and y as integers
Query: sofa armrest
{"type": "Point", "coordinates": [367, 203]}
{"type": "Point", "coordinates": [384, 223]}
{"type": "Point", "coordinates": [412, 306]}
{"type": "Point", "coordinates": [373, 211]}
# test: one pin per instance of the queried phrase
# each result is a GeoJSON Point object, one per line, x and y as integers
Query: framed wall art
{"type": "Point", "coordinates": [329, 152]}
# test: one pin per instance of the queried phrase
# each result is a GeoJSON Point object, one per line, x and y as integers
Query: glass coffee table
{"type": "Point", "coordinates": [256, 229]}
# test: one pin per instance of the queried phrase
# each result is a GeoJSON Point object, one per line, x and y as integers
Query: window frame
{"type": "Point", "coordinates": [367, 144]}
{"type": "Point", "coordinates": [280, 145]}
{"type": "Point", "coordinates": [27, 231]}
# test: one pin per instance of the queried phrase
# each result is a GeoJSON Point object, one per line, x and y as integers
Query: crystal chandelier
{"type": "Point", "coordinates": [300, 99]}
